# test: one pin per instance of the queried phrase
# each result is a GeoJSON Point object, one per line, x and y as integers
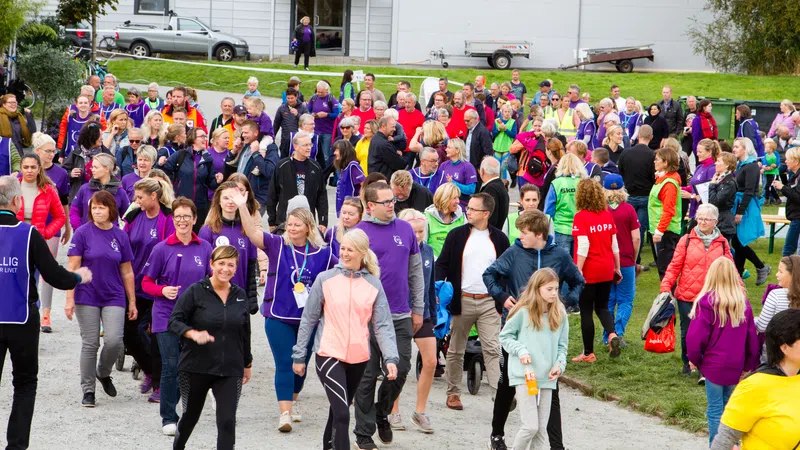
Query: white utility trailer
{"type": "Point", "coordinates": [497, 53]}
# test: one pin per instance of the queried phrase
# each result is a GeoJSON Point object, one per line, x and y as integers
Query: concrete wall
{"type": "Point", "coordinates": [380, 28]}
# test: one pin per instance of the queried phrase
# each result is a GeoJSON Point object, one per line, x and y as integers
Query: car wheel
{"type": "Point", "coordinates": [224, 53]}
{"type": "Point", "coordinates": [140, 49]}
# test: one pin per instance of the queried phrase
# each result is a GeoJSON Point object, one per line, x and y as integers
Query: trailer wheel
{"type": "Point", "coordinates": [490, 61]}
{"type": "Point", "coordinates": [445, 64]}
{"type": "Point", "coordinates": [625, 66]}
{"type": "Point", "coordinates": [501, 61]}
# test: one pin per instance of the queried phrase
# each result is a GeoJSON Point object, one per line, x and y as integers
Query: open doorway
{"type": "Point", "coordinates": [330, 19]}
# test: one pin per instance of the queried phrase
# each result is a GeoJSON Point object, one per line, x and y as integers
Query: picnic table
{"type": "Point", "coordinates": [772, 220]}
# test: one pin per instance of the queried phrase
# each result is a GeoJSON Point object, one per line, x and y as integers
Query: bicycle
{"type": "Point", "coordinates": [12, 84]}
{"type": "Point", "coordinates": [98, 67]}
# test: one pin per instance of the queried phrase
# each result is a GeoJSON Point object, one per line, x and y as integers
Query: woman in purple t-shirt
{"type": "Point", "coordinates": [106, 251]}
{"type": "Point", "coordinates": [303, 42]}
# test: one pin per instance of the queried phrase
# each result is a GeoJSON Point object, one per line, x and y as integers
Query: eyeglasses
{"type": "Point", "coordinates": [388, 203]}
{"type": "Point", "coordinates": [555, 99]}
{"type": "Point", "coordinates": [476, 210]}
{"type": "Point", "coordinates": [50, 152]}
{"type": "Point", "coordinates": [343, 127]}
{"type": "Point", "coordinates": [704, 219]}
{"type": "Point", "coordinates": [135, 141]}
{"type": "Point", "coordinates": [200, 136]}
{"type": "Point", "coordinates": [431, 160]}
{"type": "Point", "coordinates": [183, 218]}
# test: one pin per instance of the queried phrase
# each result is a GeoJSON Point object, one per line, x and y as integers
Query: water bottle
{"type": "Point", "coordinates": [530, 381]}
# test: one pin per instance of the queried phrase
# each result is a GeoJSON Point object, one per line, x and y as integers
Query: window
{"type": "Point", "coordinates": [189, 25]}
{"type": "Point", "coordinates": [154, 7]}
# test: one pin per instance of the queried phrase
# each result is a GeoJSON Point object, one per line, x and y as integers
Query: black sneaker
{"type": "Point", "coordinates": [108, 386]}
{"type": "Point", "coordinates": [686, 370]}
{"type": "Point", "coordinates": [497, 443]}
{"type": "Point", "coordinates": [573, 310]}
{"type": "Point", "coordinates": [365, 443]}
{"type": "Point", "coordinates": [88, 400]}
{"type": "Point", "coordinates": [701, 381]}
{"type": "Point", "coordinates": [384, 430]}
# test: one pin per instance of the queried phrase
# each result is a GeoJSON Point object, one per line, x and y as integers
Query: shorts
{"type": "Point", "coordinates": [426, 331]}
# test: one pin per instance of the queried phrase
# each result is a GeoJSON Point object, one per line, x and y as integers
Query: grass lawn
{"type": "Point", "coordinates": [650, 382]}
{"type": "Point", "coordinates": [643, 86]}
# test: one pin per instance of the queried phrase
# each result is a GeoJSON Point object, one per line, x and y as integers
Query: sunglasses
{"type": "Point", "coordinates": [135, 141]}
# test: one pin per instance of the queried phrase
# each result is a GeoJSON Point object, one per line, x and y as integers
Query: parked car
{"type": "Point", "coordinates": [82, 38]}
{"type": "Point", "coordinates": [181, 35]}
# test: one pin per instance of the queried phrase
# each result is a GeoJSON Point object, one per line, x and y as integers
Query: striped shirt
{"type": "Point", "coordinates": [777, 301]}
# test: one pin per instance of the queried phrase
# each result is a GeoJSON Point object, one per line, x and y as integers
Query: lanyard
{"type": "Point", "coordinates": [297, 273]}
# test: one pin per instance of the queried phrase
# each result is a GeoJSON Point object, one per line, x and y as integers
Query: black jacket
{"type": "Point", "coordinates": [40, 259]}
{"type": "Point", "coordinates": [200, 308]}
{"type": "Point", "coordinates": [259, 170]}
{"type": "Point", "coordinates": [383, 156]}
{"type": "Point", "coordinates": [419, 199]}
{"type": "Point", "coordinates": [298, 34]}
{"type": "Point", "coordinates": [480, 146]}
{"type": "Point", "coordinates": [674, 117]}
{"type": "Point", "coordinates": [747, 178]}
{"type": "Point", "coordinates": [450, 262]}
{"type": "Point", "coordinates": [723, 195]}
{"type": "Point", "coordinates": [792, 192]}
{"type": "Point", "coordinates": [636, 165]}
{"type": "Point", "coordinates": [283, 188]}
{"type": "Point", "coordinates": [498, 191]}
{"type": "Point", "coordinates": [192, 175]}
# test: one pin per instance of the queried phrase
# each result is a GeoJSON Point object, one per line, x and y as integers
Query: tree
{"type": "Point", "coordinates": [51, 72]}
{"type": "Point", "coordinates": [753, 36]}
{"type": "Point", "coordinates": [15, 13]}
{"type": "Point", "coordinates": [74, 11]}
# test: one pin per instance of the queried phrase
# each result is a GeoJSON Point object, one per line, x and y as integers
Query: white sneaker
{"type": "Point", "coordinates": [396, 422]}
{"type": "Point", "coordinates": [285, 422]}
{"type": "Point", "coordinates": [169, 429]}
{"type": "Point", "coordinates": [296, 416]}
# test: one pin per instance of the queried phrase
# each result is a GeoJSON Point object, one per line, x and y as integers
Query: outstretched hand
{"type": "Point", "coordinates": [240, 199]}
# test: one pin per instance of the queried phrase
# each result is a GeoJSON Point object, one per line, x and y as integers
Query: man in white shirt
{"type": "Point", "coordinates": [619, 100]}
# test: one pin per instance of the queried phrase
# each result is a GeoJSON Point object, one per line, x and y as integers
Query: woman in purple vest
{"type": "Point", "coordinates": [350, 173]}
{"type": "Point", "coordinates": [146, 225]}
{"type": "Point", "coordinates": [295, 260]}
{"type": "Point", "coordinates": [174, 265]}
{"type": "Point", "coordinates": [105, 250]}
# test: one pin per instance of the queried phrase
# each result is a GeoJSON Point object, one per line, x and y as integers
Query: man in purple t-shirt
{"type": "Point", "coordinates": [574, 93]}
{"type": "Point", "coordinates": [395, 244]}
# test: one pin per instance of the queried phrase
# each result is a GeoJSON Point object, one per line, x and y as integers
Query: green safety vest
{"type": "Point", "coordinates": [549, 113]}
{"type": "Point", "coordinates": [437, 232]}
{"type": "Point", "coordinates": [566, 127]}
{"type": "Point", "coordinates": [513, 232]}
{"type": "Point", "coordinates": [655, 207]}
{"type": "Point", "coordinates": [565, 189]}
{"type": "Point", "coordinates": [502, 142]}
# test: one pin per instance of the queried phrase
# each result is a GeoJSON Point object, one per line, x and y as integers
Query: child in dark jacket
{"type": "Point", "coordinates": [722, 342]}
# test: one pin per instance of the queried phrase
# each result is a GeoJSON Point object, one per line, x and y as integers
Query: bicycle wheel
{"type": "Point", "coordinates": [107, 43]}
{"type": "Point", "coordinates": [30, 95]}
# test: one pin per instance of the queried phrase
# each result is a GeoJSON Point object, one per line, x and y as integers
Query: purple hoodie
{"type": "Point", "coordinates": [703, 173]}
{"type": "Point", "coordinates": [264, 125]}
{"type": "Point", "coordinates": [721, 353]}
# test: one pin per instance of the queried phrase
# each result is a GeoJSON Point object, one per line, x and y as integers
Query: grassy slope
{"type": "Point", "coordinates": [643, 86]}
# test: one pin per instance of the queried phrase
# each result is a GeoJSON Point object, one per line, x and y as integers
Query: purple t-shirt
{"type": "Point", "coordinates": [323, 125]}
{"type": "Point", "coordinates": [219, 165]}
{"type": "Point", "coordinates": [166, 268]}
{"type": "Point", "coordinates": [144, 235]}
{"type": "Point", "coordinates": [80, 204]}
{"type": "Point", "coordinates": [102, 252]}
{"type": "Point", "coordinates": [60, 178]}
{"type": "Point", "coordinates": [349, 184]}
{"type": "Point", "coordinates": [128, 181]}
{"type": "Point", "coordinates": [232, 235]}
{"type": "Point", "coordinates": [306, 34]}
{"type": "Point", "coordinates": [462, 172]}
{"type": "Point", "coordinates": [394, 244]}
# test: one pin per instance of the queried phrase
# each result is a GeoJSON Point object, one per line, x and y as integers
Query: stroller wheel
{"type": "Point", "coordinates": [419, 365]}
{"type": "Point", "coordinates": [121, 361]}
{"type": "Point", "coordinates": [474, 376]}
{"type": "Point", "coordinates": [136, 371]}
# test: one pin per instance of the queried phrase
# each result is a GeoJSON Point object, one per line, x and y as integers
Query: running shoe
{"type": "Point", "coordinates": [762, 274]}
{"type": "Point", "coordinates": [686, 371]}
{"type": "Point", "coordinates": [385, 434]}
{"type": "Point", "coordinates": [285, 422]}
{"type": "Point", "coordinates": [155, 397]}
{"type": "Point", "coordinates": [590, 358]}
{"type": "Point", "coordinates": [108, 386]}
{"type": "Point", "coordinates": [88, 400]}
{"type": "Point", "coordinates": [497, 443]}
{"type": "Point", "coordinates": [396, 421]}
{"type": "Point", "coordinates": [701, 381]}
{"type": "Point", "coordinates": [296, 416]}
{"type": "Point", "coordinates": [423, 422]}
{"type": "Point", "coordinates": [745, 274]}
{"type": "Point", "coordinates": [614, 346]}
{"type": "Point", "coordinates": [169, 429]}
{"type": "Point", "coordinates": [47, 327]}
{"type": "Point", "coordinates": [573, 310]}
{"type": "Point", "coordinates": [365, 443]}
{"type": "Point", "coordinates": [146, 385]}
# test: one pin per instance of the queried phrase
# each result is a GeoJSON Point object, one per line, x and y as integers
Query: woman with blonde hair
{"type": "Point", "coordinates": [504, 131]}
{"type": "Point", "coordinates": [587, 126]}
{"type": "Point", "coordinates": [346, 303]}
{"type": "Point", "coordinates": [116, 137]}
{"type": "Point", "coordinates": [748, 204]}
{"type": "Point", "coordinates": [457, 170]}
{"type": "Point", "coordinates": [431, 134]}
{"type": "Point", "coordinates": [443, 215]}
{"type": "Point", "coordinates": [175, 141]}
{"type": "Point", "coordinates": [362, 147]}
{"type": "Point", "coordinates": [295, 261]}
{"type": "Point", "coordinates": [722, 341]}
{"type": "Point", "coordinates": [349, 216]}
{"type": "Point", "coordinates": [784, 117]}
{"type": "Point", "coordinates": [145, 160]}
{"type": "Point", "coordinates": [560, 200]}
{"type": "Point", "coordinates": [707, 153]}
{"type": "Point", "coordinates": [613, 143]}
{"type": "Point", "coordinates": [103, 179]}
{"type": "Point", "coordinates": [218, 149]}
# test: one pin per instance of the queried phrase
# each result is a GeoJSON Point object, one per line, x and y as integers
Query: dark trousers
{"type": "Point", "coordinates": [505, 395]}
{"type": "Point", "coordinates": [194, 389]}
{"type": "Point", "coordinates": [664, 251]}
{"type": "Point", "coordinates": [742, 254]}
{"type": "Point", "coordinates": [594, 298]}
{"type": "Point", "coordinates": [341, 381]}
{"type": "Point", "coordinates": [683, 311]}
{"type": "Point", "coordinates": [367, 408]}
{"type": "Point", "coordinates": [303, 48]}
{"type": "Point", "coordinates": [202, 213]}
{"type": "Point", "coordinates": [140, 344]}
{"type": "Point", "coordinates": [22, 342]}
{"type": "Point", "coordinates": [771, 192]}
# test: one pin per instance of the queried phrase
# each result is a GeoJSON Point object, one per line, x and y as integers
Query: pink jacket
{"type": "Point", "coordinates": [344, 303]}
{"type": "Point", "coordinates": [781, 119]}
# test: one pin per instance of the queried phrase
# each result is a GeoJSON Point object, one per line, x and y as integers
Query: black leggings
{"type": "Point", "coordinates": [594, 297]}
{"type": "Point", "coordinates": [140, 344]}
{"type": "Point", "coordinates": [303, 48]}
{"type": "Point", "coordinates": [194, 389]}
{"type": "Point", "coordinates": [505, 395]}
{"type": "Point", "coordinates": [742, 254]}
{"type": "Point", "coordinates": [340, 381]}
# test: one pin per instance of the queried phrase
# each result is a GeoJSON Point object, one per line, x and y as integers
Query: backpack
{"type": "Point", "coordinates": [537, 162]}
{"type": "Point", "coordinates": [330, 99]}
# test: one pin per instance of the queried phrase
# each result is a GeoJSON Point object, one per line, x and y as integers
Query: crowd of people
{"type": "Point", "coordinates": [162, 214]}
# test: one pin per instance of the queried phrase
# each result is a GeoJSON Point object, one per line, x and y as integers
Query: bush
{"type": "Point", "coordinates": [51, 72]}
{"type": "Point", "coordinates": [46, 30]}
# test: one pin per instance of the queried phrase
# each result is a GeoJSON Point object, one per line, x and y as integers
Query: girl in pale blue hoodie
{"type": "Point", "coordinates": [536, 337]}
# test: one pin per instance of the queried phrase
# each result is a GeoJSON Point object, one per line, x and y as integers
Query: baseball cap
{"type": "Point", "coordinates": [613, 181]}
{"type": "Point", "coordinates": [544, 83]}
{"type": "Point", "coordinates": [239, 109]}
{"type": "Point", "coordinates": [294, 78]}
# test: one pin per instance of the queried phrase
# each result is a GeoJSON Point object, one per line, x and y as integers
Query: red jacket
{"type": "Point", "coordinates": [689, 265]}
{"type": "Point", "coordinates": [46, 203]}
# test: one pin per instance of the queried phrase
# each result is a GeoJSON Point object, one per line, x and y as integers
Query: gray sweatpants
{"type": "Point", "coordinates": [532, 434]}
{"type": "Point", "coordinates": [89, 321]}
{"type": "Point", "coordinates": [45, 290]}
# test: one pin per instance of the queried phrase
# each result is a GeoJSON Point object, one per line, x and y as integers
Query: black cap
{"type": "Point", "coordinates": [239, 109]}
{"type": "Point", "coordinates": [544, 83]}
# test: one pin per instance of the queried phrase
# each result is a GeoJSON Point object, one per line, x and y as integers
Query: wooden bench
{"type": "Point", "coordinates": [772, 220]}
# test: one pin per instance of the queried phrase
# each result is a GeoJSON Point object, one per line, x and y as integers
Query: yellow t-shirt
{"type": "Point", "coordinates": [767, 409]}
{"type": "Point", "coordinates": [362, 153]}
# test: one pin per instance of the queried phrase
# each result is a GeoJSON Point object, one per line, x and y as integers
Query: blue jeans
{"type": "Point", "coordinates": [717, 396]}
{"type": "Point", "coordinates": [324, 144]}
{"type": "Point", "coordinates": [170, 346]}
{"type": "Point", "coordinates": [639, 204]}
{"type": "Point", "coordinates": [282, 337]}
{"type": "Point", "coordinates": [792, 235]}
{"type": "Point", "coordinates": [621, 299]}
{"type": "Point", "coordinates": [502, 158]}
{"type": "Point", "coordinates": [566, 242]}
{"type": "Point", "coordinates": [521, 181]}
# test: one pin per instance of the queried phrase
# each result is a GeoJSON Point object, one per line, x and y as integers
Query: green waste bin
{"type": "Point", "coordinates": [723, 111]}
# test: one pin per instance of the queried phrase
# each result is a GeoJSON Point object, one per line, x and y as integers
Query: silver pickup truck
{"type": "Point", "coordinates": [182, 35]}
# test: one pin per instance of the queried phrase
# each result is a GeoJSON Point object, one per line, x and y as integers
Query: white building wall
{"type": "Point", "coordinates": [380, 28]}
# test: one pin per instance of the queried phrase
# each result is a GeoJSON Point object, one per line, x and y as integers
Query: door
{"type": "Point", "coordinates": [329, 20]}
{"type": "Point", "coordinates": [191, 37]}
